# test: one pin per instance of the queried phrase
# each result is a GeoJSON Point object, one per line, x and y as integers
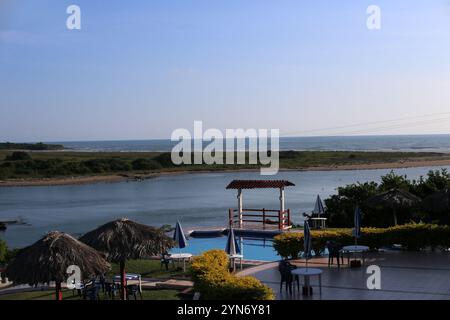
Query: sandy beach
{"type": "Point", "coordinates": [77, 180]}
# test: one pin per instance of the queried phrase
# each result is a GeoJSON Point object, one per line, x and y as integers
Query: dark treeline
{"type": "Point", "coordinates": [340, 207]}
{"type": "Point", "coordinates": [30, 146]}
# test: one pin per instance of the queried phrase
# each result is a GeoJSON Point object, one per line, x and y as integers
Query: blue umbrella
{"type": "Point", "coordinates": [179, 237]}
{"type": "Point", "coordinates": [357, 221]}
{"type": "Point", "coordinates": [318, 208]}
{"type": "Point", "coordinates": [232, 247]}
{"type": "Point", "coordinates": [307, 242]}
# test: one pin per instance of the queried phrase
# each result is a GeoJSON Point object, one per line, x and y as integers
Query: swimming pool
{"type": "Point", "coordinates": [252, 248]}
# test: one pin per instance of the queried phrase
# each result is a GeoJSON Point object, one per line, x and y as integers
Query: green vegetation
{"type": "Point", "coordinates": [340, 207]}
{"type": "Point", "coordinates": [19, 165]}
{"type": "Point", "coordinates": [3, 251]}
{"type": "Point", "coordinates": [411, 236]}
{"type": "Point", "coordinates": [30, 146]}
{"type": "Point", "coordinates": [214, 282]}
{"type": "Point", "coordinates": [148, 269]}
{"type": "Point", "coordinates": [68, 295]}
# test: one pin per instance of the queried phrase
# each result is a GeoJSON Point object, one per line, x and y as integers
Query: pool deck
{"type": "Point", "coordinates": [404, 276]}
{"type": "Point", "coordinates": [247, 230]}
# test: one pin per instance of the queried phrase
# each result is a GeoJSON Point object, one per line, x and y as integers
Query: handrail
{"type": "Point", "coordinates": [283, 217]}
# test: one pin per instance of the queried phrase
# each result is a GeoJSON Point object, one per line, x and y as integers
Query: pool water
{"type": "Point", "coordinates": [252, 249]}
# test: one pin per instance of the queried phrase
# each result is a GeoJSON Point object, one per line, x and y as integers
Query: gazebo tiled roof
{"type": "Point", "coordinates": [259, 184]}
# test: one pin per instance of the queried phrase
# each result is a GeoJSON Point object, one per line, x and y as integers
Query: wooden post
{"type": "Point", "coordinates": [240, 207]}
{"type": "Point", "coordinates": [230, 217]}
{"type": "Point", "coordinates": [280, 221]}
{"type": "Point", "coordinates": [58, 291]}
{"type": "Point", "coordinates": [264, 218]}
{"type": "Point", "coordinates": [123, 282]}
{"type": "Point", "coordinates": [289, 217]}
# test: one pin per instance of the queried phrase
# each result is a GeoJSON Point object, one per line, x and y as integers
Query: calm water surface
{"type": "Point", "coordinates": [194, 199]}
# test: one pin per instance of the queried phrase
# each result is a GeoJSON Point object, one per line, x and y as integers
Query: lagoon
{"type": "Point", "coordinates": [198, 199]}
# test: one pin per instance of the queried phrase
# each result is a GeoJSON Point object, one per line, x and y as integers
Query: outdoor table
{"type": "Point", "coordinates": [234, 257]}
{"type": "Point", "coordinates": [130, 276]}
{"type": "Point", "coordinates": [352, 250]}
{"type": "Point", "coordinates": [181, 256]}
{"type": "Point", "coordinates": [307, 273]}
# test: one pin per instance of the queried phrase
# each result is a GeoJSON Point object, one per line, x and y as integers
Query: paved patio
{"type": "Point", "coordinates": [404, 276]}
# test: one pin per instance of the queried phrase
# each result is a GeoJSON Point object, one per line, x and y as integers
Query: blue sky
{"type": "Point", "coordinates": [139, 70]}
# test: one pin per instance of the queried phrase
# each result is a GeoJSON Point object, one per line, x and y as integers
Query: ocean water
{"type": "Point", "coordinates": [195, 199]}
{"type": "Point", "coordinates": [424, 143]}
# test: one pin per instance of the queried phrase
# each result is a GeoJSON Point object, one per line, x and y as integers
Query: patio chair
{"type": "Point", "coordinates": [92, 292]}
{"type": "Point", "coordinates": [111, 290]}
{"type": "Point", "coordinates": [285, 268]}
{"type": "Point", "coordinates": [334, 251]}
{"type": "Point", "coordinates": [285, 277]}
{"type": "Point", "coordinates": [165, 260]}
{"type": "Point", "coordinates": [132, 291]}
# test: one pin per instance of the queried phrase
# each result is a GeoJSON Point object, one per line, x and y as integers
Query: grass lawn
{"type": "Point", "coordinates": [67, 295]}
{"type": "Point", "coordinates": [149, 269]}
{"type": "Point", "coordinates": [146, 268]}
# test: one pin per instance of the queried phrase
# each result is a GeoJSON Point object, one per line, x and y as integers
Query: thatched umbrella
{"type": "Point", "coordinates": [394, 199]}
{"type": "Point", "coordinates": [123, 239]}
{"type": "Point", "coordinates": [48, 259]}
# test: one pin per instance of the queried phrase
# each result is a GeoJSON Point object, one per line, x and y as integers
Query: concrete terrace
{"type": "Point", "coordinates": [404, 276]}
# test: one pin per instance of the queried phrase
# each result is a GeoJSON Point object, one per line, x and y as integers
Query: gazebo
{"type": "Point", "coordinates": [274, 217]}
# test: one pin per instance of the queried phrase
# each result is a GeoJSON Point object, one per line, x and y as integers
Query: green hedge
{"type": "Point", "coordinates": [411, 236]}
{"type": "Point", "coordinates": [214, 282]}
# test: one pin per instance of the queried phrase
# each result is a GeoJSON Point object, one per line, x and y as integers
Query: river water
{"type": "Point", "coordinates": [195, 199]}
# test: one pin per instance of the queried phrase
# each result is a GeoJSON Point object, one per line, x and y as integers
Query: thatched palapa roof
{"type": "Point", "coordinates": [48, 259]}
{"type": "Point", "coordinates": [394, 198]}
{"type": "Point", "coordinates": [124, 239]}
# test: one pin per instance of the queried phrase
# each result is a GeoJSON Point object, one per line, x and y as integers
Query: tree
{"type": "Point", "coordinates": [3, 251]}
{"type": "Point", "coordinates": [394, 181]}
{"type": "Point", "coordinates": [18, 156]}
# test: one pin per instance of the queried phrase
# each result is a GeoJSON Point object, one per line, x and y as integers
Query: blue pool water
{"type": "Point", "coordinates": [252, 249]}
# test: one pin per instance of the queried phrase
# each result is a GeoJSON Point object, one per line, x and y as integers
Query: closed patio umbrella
{"type": "Point", "coordinates": [178, 236]}
{"type": "Point", "coordinates": [232, 247]}
{"type": "Point", "coordinates": [47, 260]}
{"type": "Point", "coordinates": [307, 242]}
{"type": "Point", "coordinates": [394, 199]}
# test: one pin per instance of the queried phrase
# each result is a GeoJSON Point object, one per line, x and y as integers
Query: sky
{"type": "Point", "coordinates": [141, 69]}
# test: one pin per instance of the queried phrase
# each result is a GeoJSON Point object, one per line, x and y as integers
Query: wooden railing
{"type": "Point", "coordinates": [265, 217]}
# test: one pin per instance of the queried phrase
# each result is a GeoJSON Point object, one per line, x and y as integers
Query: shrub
{"type": "Point", "coordinates": [413, 236]}
{"type": "Point", "coordinates": [145, 164]}
{"type": "Point", "coordinates": [118, 165]}
{"type": "Point", "coordinates": [18, 156]}
{"type": "Point", "coordinates": [214, 282]}
{"type": "Point", "coordinates": [97, 165]}
{"type": "Point", "coordinates": [3, 251]}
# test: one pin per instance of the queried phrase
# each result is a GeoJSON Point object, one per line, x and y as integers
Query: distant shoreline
{"type": "Point", "coordinates": [112, 178]}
